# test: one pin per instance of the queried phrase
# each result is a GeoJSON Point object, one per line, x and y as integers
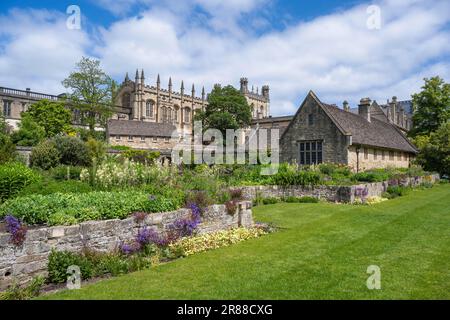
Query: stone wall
{"type": "Point", "coordinates": [29, 260]}
{"type": "Point", "coordinates": [371, 158]}
{"type": "Point", "coordinates": [346, 194]}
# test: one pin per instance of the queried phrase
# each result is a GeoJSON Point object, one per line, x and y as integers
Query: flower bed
{"type": "Point", "coordinates": [69, 209]}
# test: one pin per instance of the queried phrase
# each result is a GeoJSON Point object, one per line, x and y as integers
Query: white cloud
{"type": "Point", "coordinates": [334, 55]}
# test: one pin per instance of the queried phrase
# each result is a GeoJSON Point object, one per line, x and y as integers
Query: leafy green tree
{"type": "Point", "coordinates": [29, 133]}
{"type": "Point", "coordinates": [92, 93]}
{"type": "Point", "coordinates": [435, 150]}
{"type": "Point", "coordinates": [227, 109]}
{"type": "Point", "coordinates": [50, 115]}
{"type": "Point", "coordinates": [431, 107]}
{"type": "Point", "coordinates": [7, 147]}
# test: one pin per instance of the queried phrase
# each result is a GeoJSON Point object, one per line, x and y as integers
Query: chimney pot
{"type": "Point", "coordinates": [364, 108]}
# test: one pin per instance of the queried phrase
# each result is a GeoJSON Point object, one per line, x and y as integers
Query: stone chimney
{"type": "Point", "coordinates": [393, 111]}
{"type": "Point", "coordinates": [364, 108]}
{"type": "Point", "coordinates": [346, 106]}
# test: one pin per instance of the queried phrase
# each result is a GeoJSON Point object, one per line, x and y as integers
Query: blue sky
{"type": "Point", "coordinates": [293, 46]}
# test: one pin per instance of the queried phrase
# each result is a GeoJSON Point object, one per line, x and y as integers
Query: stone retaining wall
{"type": "Point", "coordinates": [346, 194]}
{"type": "Point", "coordinates": [29, 260]}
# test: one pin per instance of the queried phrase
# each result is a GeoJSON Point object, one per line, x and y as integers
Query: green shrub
{"type": "Point", "coordinates": [16, 292]}
{"type": "Point", "coordinates": [61, 173]}
{"type": "Point", "coordinates": [291, 176]}
{"type": "Point", "coordinates": [292, 199]}
{"type": "Point", "coordinates": [29, 133]}
{"type": "Point", "coordinates": [59, 261]}
{"type": "Point", "coordinates": [396, 191]}
{"type": "Point", "coordinates": [7, 149]}
{"type": "Point", "coordinates": [267, 201]}
{"type": "Point", "coordinates": [47, 186]}
{"type": "Point", "coordinates": [40, 209]}
{"type": "Point", "coordinates": [72, 151]}
{"type": "Point", "coordinates": [14, 177]}
{"type": "Point", "coordinates": [371, 176]}
{"type": "Point", "coordinates": [120, 148]}
{"type": "Point", "coordinates": [45, 155]}
{"type": "Point", "coordinates": [141, 156]}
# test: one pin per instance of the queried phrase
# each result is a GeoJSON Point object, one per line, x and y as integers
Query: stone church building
{"type": "Point", "coordinates": [321, 133]}
{"type": "Point", "coordinates": [150, 114]}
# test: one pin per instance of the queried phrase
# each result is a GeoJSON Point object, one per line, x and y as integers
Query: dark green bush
{"type": "Point", "coordinates": [7, 149]}
{"type": "Point", "coordinates": [14, 177]}
{"type": "Point", "coordinates": [59, 261]}
{"type": "Point", "coordinates": [72, 151]}
{"type": "Point", "coordinates": [267, 201]}
{"type": "Point", "coordinates": [30, 291]}
{"type": "Point", "coordinates": [396, 191]}
{"type": "Point", "coordinates": [141, 156]}
{"type": "Point", "coordinates": [45, 155]}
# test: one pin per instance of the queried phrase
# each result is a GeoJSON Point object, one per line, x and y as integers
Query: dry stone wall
{"type": "Point", "coordinates": [22, 263]}
{"type": "Point", "coordinates": [346, 194]}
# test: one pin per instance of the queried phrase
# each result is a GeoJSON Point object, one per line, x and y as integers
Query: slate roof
{"type": "Point", "coordinates": [376, 133]}
{"type": "Point", "coordinates": [140, 128]}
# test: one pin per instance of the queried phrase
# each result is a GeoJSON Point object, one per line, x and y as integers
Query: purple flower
{"type": "Point", "coordinates": [147, 236]}
{"type": "Point", "coordinates": [126, 249]}
{"type": "Point", "coordinates": [16, 229]}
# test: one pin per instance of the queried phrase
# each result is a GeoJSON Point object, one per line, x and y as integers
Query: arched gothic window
{"type": "Point", "coordinates": [126, 100]}
{"type": "Point", "coordinates": [187, 115]}
{"type": "Point", "coordinates": [149, 110]}
{"type": "Point", "coordinates": [175, 115]}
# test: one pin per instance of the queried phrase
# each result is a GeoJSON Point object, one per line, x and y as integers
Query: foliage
{"type": "Point", "coordinates": [30, 133]}
{"type": "Point", "coordinates": [45, 155]}
{"type": "Point", "coordinates": [7, 149]}
{"type": "Point", "coordinates": [431, 107]}
{"type": "Point", "coordinates": [120, 148]}
{"type": "Point", "coordinates": [141, 156]}
{"type": "Point", "coordinates": [227, 109]}
{"type": "Point", "coordinates": [291, 175]}
{"type": "Point", "coordinates": [301, 200]}
{"type": "Point", "coordinates": [40, 209]}
{"type": "Point", "coordinates": [14, 177]}
{"type": "Point", "coordinates": [48, 185]}
{"type": "Point", "coordinates": [53, 117]}
{"type": "Point", "coordinates": [92, 92]}
{"type": "Point", "coordinates": [210, 241]}
{"type": "Point", "coordinates": [64, 172]}
{"type": "Point", "coordinates": [267, 201]}
{"type": "Point", "coordinates": [231, 207]}
{"type": "Point", "coordinates": [371, 176]}
{"type": "Point", "coordinates": [16, 292]}
{"type": "Point", "coordinates": [86, 134]}
{"type": "Point", "coordinates": [72, 151]}
{"type": "Point", "coordinates": [17, 230]}
{"type": "Point", "coordinates": [96, 150]}
{"type": "Point", "coordinates": [396, 191]}
{"type": "Point", "coordinates": [435, 150]}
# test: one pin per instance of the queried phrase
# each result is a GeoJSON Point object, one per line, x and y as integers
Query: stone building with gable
{"type": "Point", "coordinates": [324, 133]}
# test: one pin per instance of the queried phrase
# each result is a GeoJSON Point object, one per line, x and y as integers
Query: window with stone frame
{"type": "Point", "coordinates": [150, 109]}
{"type": "Point", "coordinates": [175, 114]}
{"type": "Point", "coordinates": [7, 108]}
{"type": "Point", "coordinates": [155, 139]}
{"type": "Point", "coordinates": [130, 138]}
{"type": "Point", "coordinates": [383, 155]}
{"type": "Point", "coordinates": [391, 155]}
{"type": "Point", "coordinates": [399, 156]}
{"type": "Point", "coordinates": [405, 156]}
{"type": "Point", "coordinates": [375, 154]}
{"type": "Point", "coordinates": [118, 138]}
{"type": "Point", "coordinates": [187, 115]}
{"type": "Point", "coordinates": [366, 153]}
{"type": "Point", "coordinates": [311, 152]}
{"type": "Point", "coordinates": [126, 100]}
{"type": "Point", "coordinates": [142, 139]}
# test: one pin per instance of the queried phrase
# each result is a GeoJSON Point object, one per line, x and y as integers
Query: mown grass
{"type": "Point", "coordinates": [322, 251]}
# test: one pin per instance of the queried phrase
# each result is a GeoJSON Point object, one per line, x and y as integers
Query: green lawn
{"type": "Point", "coordinates": [321, 252]}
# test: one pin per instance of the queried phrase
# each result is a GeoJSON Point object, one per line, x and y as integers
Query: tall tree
{"type": "Point", "coordinates": [50, 115]}
{"type": "Point", "coordinates": [431, 107]}
{"type": "Point", "coordinates": [227, 109]}
{"type": "Point", "coordinates": [92, 93]}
